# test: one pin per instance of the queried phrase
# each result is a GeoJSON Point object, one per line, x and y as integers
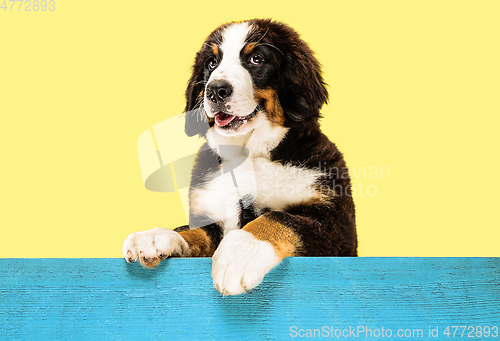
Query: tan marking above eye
{"type": "Point", "coordinates": [249, 48]}
{"type": "Point", "coordinates": [215, 49]}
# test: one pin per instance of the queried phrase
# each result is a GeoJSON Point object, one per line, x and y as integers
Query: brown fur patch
{"type": "Point", "coordinates": [271, 104]}
{"type": "Point", "coordinates": [199, 243]}
{"type": "Point", "coordinates": [249, 48]}
{"type": "Point", "coordinates": [284, 240]}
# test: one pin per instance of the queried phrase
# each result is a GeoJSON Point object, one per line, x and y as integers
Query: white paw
{"type": "Point", "coordinates": [241, 261]}
{"type": "Point", "coordinates": [151, 246]}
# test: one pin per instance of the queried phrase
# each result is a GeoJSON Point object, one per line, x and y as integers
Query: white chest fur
{"type": "Point", "coordinates": [258, 182]}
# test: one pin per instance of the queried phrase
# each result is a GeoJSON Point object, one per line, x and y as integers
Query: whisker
{"type": "Point", "coordinates": [273, 47]}
{"type": "Point", "coordinates": [199, 103]}
{"type": "Point", "coordinates": [258, 41]}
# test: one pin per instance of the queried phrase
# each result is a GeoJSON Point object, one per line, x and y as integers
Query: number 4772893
{"type": "Point", "coordinates": [29, 6]}
{"type": "Point", "coordinates": [471, 331]}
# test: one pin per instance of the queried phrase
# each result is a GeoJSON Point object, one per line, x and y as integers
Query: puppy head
{"type": "Point", "coordinates": [249, 73]}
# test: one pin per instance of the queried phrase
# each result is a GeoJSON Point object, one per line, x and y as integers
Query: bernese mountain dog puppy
{"type": "Point", "coordinates": [267, 184]}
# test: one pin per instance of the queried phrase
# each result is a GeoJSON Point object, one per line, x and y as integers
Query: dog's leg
{"type": "Point", "coordinates": [152, 246]}
{"type": "Point", "coordinates": [202, 241]}
{"type": "Point", "coordinates": [245, 256]}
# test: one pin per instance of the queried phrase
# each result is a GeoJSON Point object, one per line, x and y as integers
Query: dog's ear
{"type": "Point", "coordinates": [196, 120]}
{"type": "Point", "coordinates": [303, 91]}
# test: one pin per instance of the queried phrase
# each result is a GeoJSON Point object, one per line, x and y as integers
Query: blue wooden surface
{"type": "Point", "coordinates": [107, 299]}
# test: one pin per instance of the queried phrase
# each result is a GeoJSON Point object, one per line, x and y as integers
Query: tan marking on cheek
{"type": "Point", "coordinates": [249, 48]}
{"type": "Point", "coordinates": [199, 242]}
{"type": "Point", "coordinates": [271, 105]}
{"type": "Point", "coordinates": [284, 240]}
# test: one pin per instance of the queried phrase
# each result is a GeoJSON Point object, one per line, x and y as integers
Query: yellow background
{"type": "Point", "coordinates": [414, 86]}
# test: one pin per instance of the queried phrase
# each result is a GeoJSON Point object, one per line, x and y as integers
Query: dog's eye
{"type": "Point", "coordinates": [256, 59]}
{"type": "Point", "coordinates": [212, 64]}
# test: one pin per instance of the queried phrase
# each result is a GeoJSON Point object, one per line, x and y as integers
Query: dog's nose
{"type": "Point", "coordinates": [219, 91]}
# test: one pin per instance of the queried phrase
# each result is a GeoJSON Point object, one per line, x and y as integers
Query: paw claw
{"type": "Point", "coordinates": [152, 246]}
{"type": "Point", "coordinates": [130, 257]}
{"type": "Point", "coordinates": [150, 262]}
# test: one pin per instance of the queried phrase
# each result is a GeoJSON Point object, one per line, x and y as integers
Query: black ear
{"type": "Point", "coordinates": [303, 91]}
{"type": "Point", "coordinates": [196, 120]}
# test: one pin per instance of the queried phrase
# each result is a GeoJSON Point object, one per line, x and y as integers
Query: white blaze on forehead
{"type": "Point", "coordinates": [233, 40]}
{"type": "Point", "coordinates": [242, 102]}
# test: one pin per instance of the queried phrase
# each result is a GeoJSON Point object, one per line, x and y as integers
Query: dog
{"type": "Point", "coordinates": [267, 184]}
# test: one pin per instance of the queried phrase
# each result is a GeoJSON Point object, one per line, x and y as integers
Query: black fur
{"type": "Point", "coordinates": [327, 229]}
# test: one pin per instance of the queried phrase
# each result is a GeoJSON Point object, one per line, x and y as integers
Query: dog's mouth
{"type": "Point", "coordinates": [228, 121]}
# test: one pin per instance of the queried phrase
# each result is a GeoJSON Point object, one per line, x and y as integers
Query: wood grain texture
{"type": "Point", "coordinates": [108, 299]}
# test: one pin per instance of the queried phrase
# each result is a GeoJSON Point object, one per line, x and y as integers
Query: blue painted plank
{"type": "Point", "coordinates": [352, 298]}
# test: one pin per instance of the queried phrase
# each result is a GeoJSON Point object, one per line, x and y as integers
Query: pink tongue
{"type": "Point", "coordinates": [221, 119]}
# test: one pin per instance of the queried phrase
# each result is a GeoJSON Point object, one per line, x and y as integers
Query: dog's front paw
{"type": "Point", "coordinates": [241, 261]}
{"type": "Point", "coordinates": [152, 246]}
